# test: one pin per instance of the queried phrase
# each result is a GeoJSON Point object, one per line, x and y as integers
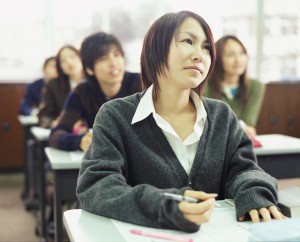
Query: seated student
{"type": "Point", "coordinates": [104, 64]}
{"type": "Point", "coordinates": [229, 82]}
{"type": "Point", "coordinates": [31, 100]}
{"type": "Point", "coordinates": [70, 74]}
{"type": "Point", "coordinates": [170, 139]}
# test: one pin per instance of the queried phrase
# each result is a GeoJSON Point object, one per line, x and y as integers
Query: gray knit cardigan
{"type": "Point", "coordinates": [128, 166]}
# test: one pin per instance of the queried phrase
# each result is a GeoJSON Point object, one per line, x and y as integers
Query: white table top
{"type": "Point", "coordinates": [40, 133]}
{"type": "Point", "coordinates": [276, 144]}
{"type": "Point", "coordinates": [272, 144]}
{"type": "Point", "coordinates": [28, 120]}
{"type": "Point", "coordinates": [85, 226]}
{"type": "Point", "coordinates": [222, 226]}
{"type": "Point", "coordinates": [60, 159]}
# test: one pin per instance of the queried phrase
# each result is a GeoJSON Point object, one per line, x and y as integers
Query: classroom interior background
{"type": "Point", "coordinates": [35, 29]}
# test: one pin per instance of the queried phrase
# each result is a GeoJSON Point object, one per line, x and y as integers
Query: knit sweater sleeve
{"type": "Point", "coordinates": [249, 186]}
{"type": "Point", "coordinates": [103, 186]}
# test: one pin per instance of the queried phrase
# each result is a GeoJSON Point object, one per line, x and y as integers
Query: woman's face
{"type": "Point", "coordinates": [189, 58]}
{"type": "Point", "coordinates": [110, 68]}
{"type": "Point", "coordinates": [50, 70]}
{"type": "Point", "coordinates": [234, 58]}
{"type": "Point", "coordinates": [70, 62]}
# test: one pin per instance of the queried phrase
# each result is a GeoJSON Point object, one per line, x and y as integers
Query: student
{"type": "Point", "coordinates": [31, 100]}
{"type": "Point", "coordinates": [170, 139]}
{"type": "Point", "coordinates": [104, 64]}
{"type": "Point", "coordinates": [70, 74]}
{"type": "Point", "coordinates": [229, 82]}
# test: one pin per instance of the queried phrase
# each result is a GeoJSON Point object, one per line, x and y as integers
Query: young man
{"type": "Point", "coordinates": [104, 65]}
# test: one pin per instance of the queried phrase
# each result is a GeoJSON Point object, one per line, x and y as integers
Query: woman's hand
{"type": "Point", "coordinates": [265, 213]}
{"type": "Point", "coordinates": [198, 213]}
{"type": "Point", "coordinates": [86, 141]}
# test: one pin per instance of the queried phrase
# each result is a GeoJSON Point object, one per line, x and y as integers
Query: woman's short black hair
{"type": "Point", "coordinates": [96, 45]}
{"type": "Point", "coordinates": [156, 46]}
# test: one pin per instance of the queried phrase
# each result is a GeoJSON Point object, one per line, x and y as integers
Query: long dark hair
{"type": "Point", "coordinates": [64, 78]}
{"type": "Point", "coordinates": [156, 46]}
{"type": "Point", "coordinates": [217, 75]}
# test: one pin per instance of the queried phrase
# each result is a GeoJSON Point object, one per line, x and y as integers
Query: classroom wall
{"type": "Point", "coordinates": [11, 132]}
{"type": "Point", "coordinates": [280, 111]}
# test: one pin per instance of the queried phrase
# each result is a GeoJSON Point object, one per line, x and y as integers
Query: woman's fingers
{"type": "Point", "coordinates": [199, 218]}
{"type": "Point", "coordinates": [265, 213]}
{"type": "Point", "coordinates": [276, 213]}
{"type": "Point", "coordinates": [197, 212]}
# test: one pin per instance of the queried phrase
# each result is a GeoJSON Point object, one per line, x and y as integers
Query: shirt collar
{"type": "Point", "coordinates": [146, 107]}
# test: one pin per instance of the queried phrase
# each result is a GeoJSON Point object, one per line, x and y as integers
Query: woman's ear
{"type": "Point", "coordinates": [89, 71]}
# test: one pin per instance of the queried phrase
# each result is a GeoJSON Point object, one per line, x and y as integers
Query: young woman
{"type": "Point", "coordinates": [32, 98]}
{"type": "Point", "coordinates": [169, 139]}
{"type": "Point", "coordinates": [229, 82]}
{"type": "Point", "coordinates": [104, 64]}
{"type": "Point", "coordinates": [70, 74]}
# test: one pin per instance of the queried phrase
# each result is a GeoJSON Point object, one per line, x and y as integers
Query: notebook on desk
{"type": "Point", "coordinates": [276, 230]}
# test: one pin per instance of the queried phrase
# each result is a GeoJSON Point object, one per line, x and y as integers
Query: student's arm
{"type": "Point", "coordinates": [26, 106]}
{"type": "Point", "coordinates": [249, 186]}
{"type": "Point", "coordinates": [103, 187]}
{"type": "Point", "coordinates": [252, 109]}
{"type": "Point", "coordinates": [62, 136]}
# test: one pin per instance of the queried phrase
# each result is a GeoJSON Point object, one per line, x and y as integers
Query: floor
{"type": "Point", "coordinates": [17, 224]}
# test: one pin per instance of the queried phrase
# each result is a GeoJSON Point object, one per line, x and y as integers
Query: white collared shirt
{"type": "Point", "coordinates": [184, 150]}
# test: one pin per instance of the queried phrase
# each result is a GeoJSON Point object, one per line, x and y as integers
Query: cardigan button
{"type": "Point", "coordinates": [190, 182]}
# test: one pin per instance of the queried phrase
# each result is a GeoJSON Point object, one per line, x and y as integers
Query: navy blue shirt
{"type": "Point", "coordinates": [83, 104]}
{"type": "Point", "coordinates": [32, 97]}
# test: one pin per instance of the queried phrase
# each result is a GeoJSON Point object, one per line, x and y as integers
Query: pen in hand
{"type": "Point", "coordinates": [181, 198]}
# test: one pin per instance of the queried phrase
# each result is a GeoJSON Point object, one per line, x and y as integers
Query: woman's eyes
{"type": "Point", "coordinates": [189, 41]}
{"type": "Point", "coordinates": [205, 46]}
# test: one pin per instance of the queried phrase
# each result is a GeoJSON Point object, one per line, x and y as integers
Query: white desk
{"type": "Point", "coordinates": [85, 226]}
{"type": "Point", "coordinates": [40, 134]}
{"type": "Point", "coordinates": [66, 167]}
{"type": "Point", "coordinates": [222, 226]}
{"type": "Point", "coordinates": [279, 155]}
{"type": "Point", "coordinates": [277, 144]}
{"type": "Point", "coordinates": [28, 120]}
{"type": "Point", "coordinates": [61, 160]}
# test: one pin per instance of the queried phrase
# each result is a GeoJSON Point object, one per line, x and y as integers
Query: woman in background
{"type": "Point", "coordinates": [229, 82]}
{"type": "Point", "coordinates": [70, 74]}
{"type": "Point", "coordinates": [32, 98]}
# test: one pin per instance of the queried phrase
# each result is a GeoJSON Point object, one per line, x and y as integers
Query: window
{"type": "Point", "coordinates": [32, 30]}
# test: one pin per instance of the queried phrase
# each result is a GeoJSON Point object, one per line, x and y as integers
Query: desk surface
{"type": "Point", "coordinates": [277, 144]}
{"type": "Point", "coordinates": [28, 120]}
{"type": "Point", "coordinates": [60, 159]}
{"type": "Point", "coordinates": [273, 144]}
{"type": "Point", "coordinates": [85, 226]}
{"type": "Point", "coordinates": [41, 134]}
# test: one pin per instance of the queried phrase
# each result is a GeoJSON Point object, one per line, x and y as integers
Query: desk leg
{"type": "Point", "coordinates": [41, 187]}
{"type": "Point", "coordinates": [25, 194]}
{"type": "Point", "coordinates": [58, 205]}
